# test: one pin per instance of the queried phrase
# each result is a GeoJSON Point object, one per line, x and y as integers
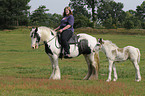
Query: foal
{"type": "Point", "coordinates": [113, 53]}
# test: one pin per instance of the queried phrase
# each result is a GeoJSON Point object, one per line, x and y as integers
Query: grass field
{"type": "Point", "coordinates": [25, 72]}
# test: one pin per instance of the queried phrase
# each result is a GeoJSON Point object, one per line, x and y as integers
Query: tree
{"type": "Point", "coordinates": [140, 13]}
{"type": "Point", "coordinates": [79, 9]}
{"type": "Point", "coordinates": [12, 11]}
{"type": "Point", "coordinates": [128, 24]}
{"type": "Point", "coordinates": [81, 14]}
{"type": "Point", "coordinates": [90, 4]}
{"type": "Point", "coordinates": [143, 25]}
{"type": "Point", "coordinates": [82, 21]}
{"type": "Point", "coordinates": [108, 22]}
{"type": "Point", "coordinates": [53, 20]}
{"type": "Point", "coordinates": [132, 12]}
{"type": "Point", "coordinates": [93, 4]}
{"type": "Point", "coordinates": [130, 16]}
{"type": "Point", "coordinates": [114, 10]}
{"type": "Point", "coordinates": [39, 17]}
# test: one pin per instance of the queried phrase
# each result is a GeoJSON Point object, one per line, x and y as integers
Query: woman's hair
{"type": "Point", "coordinates": [70, 12]}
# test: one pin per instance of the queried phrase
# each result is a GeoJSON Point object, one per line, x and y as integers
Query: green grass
{"type": "Point", "coordinates": [25, 72]}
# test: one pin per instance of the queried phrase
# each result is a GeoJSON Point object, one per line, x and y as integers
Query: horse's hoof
{"type": "Point", "coordinates": [55, 78]}
{"type": "Point", "coordinates": [85, 78]}
{"type": "Point", "coordinates": [93, 77]}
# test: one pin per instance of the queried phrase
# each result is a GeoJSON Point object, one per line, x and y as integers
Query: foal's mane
{"type": "Point", "coordinates": [108, 43]}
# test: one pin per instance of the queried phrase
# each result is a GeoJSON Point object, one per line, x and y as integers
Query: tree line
{"type": "Point", "coordinates": [87, 13]}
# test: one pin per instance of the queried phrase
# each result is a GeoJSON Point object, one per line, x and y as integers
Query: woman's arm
{"type": "Point", "coordinates": [66, 27]}
{"type": "Point", "coordinates": [57, 28]}
{"type": "Point", "coordinates": [70, 23]}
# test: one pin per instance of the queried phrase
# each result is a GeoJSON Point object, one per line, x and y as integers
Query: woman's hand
{"type": "Point", "coordinates": [60, 30]}
{"type": "Point", "coordinates": [57, 28]}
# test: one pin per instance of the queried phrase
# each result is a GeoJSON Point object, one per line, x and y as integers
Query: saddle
{"type": "Point", "coordinates": [82, 45]}
{"type": "Point", "coordinates": [72, 40]}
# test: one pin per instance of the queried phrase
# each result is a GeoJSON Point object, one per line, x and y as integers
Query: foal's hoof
{"type": "Point", "coordinates": [138, 80]}
{"type": "Point", "coordinates": [108, 80]}
{"type": "Point", "coordinates": [114, 79]}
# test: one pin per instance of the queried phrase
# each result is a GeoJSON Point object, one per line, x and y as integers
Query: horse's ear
{"type": "Point", "coordinates": [36, 29]}
{"type": "Point", "coordinates": [101, 40]}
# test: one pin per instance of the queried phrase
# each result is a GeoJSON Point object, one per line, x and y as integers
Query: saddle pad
{"type": "Point", "coordinates": [73, 39]}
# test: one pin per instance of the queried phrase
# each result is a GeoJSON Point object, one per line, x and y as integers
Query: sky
{"type": "Point", "coordinates": [57, 6]}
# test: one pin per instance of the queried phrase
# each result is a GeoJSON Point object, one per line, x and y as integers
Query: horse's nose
{"type": "Point", "coordinates": [33, 46]}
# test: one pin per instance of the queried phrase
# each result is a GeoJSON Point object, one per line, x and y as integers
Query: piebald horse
{"type": "Point", "coordinates": [115, 54]}
{"type": "Point", "coordinates": [85, 46]}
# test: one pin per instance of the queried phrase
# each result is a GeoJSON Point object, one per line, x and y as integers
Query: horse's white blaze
{"type": "Point", "coordinates": [33, 43]}
{"type": "Point", "coordinates": [113, 53]}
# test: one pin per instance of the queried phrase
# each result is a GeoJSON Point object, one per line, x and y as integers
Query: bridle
{"type": "Point", "coordinates": [38, 39]}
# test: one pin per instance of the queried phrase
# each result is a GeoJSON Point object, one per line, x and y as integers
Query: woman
{"type": "Point", "coordinates": [66, 29]}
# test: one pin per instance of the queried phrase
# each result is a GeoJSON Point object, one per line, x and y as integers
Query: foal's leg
{"type": "Point", "coordinates": [110, 70]}
{"type": "Point", "coordinates": [89, 67]}
{"type": "Point", "coordinates": [115, 73]}
{"type": "Point", "coordinates": [138, 76]}
{"type": "Point", "coordinates": [55, 68]}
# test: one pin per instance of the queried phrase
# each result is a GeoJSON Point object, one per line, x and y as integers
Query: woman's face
{"type": "Point", "coordinates": [66, 11]}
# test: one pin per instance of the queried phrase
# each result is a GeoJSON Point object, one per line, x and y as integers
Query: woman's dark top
{"type": "Point", "coordinates": [67, 20]}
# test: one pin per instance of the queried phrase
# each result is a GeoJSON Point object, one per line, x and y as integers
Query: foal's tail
{"type": "Point", "coordinates": [97, 59]}
{"type": "Point", "coordinates": [138, 59]}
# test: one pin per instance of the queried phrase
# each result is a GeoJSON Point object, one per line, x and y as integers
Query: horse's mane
{"type": "Point", "coordinates": [46, 33]}
{"type": "Point", "coordinates": [107, 42]}
{"type": "Point", "coordinates": [47, 29]}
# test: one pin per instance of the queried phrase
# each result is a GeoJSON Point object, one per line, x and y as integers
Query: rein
{"type": "Point", "coordinates": [50, 41]}
{"type": "Point", "coordinates": [47, 41]}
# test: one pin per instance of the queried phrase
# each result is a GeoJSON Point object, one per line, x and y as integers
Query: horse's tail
{"type": "Point", "coordinates": [97, 60]}
{"type": "Point", "coordinates": [138, 58]}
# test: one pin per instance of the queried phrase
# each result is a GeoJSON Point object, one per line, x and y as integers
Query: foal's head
{"type": "Point", "coordinates": [35, 38]}
{"type": "Point", "coordinates": [99, 44]}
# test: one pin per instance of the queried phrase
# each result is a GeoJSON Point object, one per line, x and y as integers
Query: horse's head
{"type": "Point", "coordinates": [99, 44]}
{"type": "Point", "coordinates": [35, 38]}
